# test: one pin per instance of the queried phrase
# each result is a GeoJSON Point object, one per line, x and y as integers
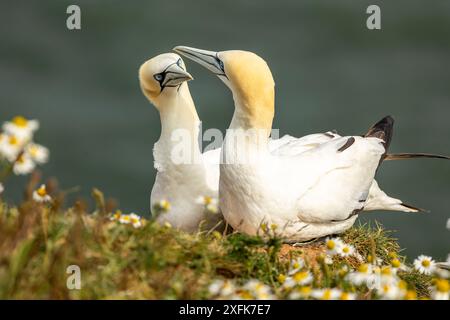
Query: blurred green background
{"type": "Point", "coordinates": [331, 72]}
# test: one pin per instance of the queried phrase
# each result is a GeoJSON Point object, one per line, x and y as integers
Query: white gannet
{"type": "Point", "coordinates": [309, 187]}
{"type": "Point", "coordinates": [190, 183]}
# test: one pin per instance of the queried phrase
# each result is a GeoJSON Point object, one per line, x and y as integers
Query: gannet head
{"type": "Point", "coordinates": [247, 76]}
{"type": "Point", "coordinates": [161, 77]}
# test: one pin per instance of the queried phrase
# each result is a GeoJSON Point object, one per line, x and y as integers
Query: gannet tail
{"type": "Point", "coordinates": [383, 130]}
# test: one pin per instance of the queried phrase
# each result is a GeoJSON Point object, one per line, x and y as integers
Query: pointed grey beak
{"type": "Point", "coordinates": [208, 59]}
{"type": "Point", "coordinates": [175, 75]}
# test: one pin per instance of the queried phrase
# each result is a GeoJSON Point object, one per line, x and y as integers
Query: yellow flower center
{"type": "Point", "coordinates": [305, 290]}
{"type": "Point", "coordinates": [326, 294]}
{"type": "Point", "coordinates": [117, 215]}
{"type": "Point", "coordinates": [369, 258]}
{"type": "Point", "coordinates": [363, 268]}
{"type": "Point", "coordinates": [42, 191]}
{"type": "Point", "coordinates": [344, 296]}
{"type": "Point", "coordinates": [273, 226]}
{"type": "Point", "coordinates": [442, 285]}
{"type": "Point", "coordinates": [386, 271]}
{"type": "Point", "coordinates": [410, 295]}
{"type": "Point", "coordinates": [207, 200]}
{"type": "Point", "coordinates": [299, 276]}
{"type": "Point", "coordinates": [264, 227]}
{"type": "Point", "coordinates": [281, 278]}
{"type": "Point", "coordinates": [13, 140]}
{"type": "Point", "coordinates": [402, 284]}
{"type": "Point", "coordinates": [396, 263]}
{"type": "Point", "coordinates": [134, 220]}
{"type": "Point", "coordinates": [346, 249]}
{"type": "Point", "coordinates": [246, 295]}
{"type": "Point", "coordinates": [426, 263]}
{"type": "Point", "coordinates": [126, 218]}
{"type": "Point", "coordinates": [331, 244]}
{"type": "Point", "coordinates": [165, 205]}
{"type": "Point", "coordinates": [392, 255]}
{"type": "Point", "coordinates": [20, 121]}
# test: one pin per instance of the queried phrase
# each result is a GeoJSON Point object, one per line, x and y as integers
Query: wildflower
{"type": "Point", "coordinates": [161, 206]}
{"type": "Point", "coordinates": [221, 288]}
{"type": "Point", "coordinates": [38, 153]}
{"type": "Point", "coordinates": [363, 275]}
{"type": "Point", "coordinates": [346, 250]}
{"type": "Point", "coordinates": [21, 127]}
{"type": "Point", "coordinates": [116, 216]}
{"type": "Point", "coordinates": [10, 147]}
{"type": "Point", "coordinates": [300, 293]}
{"type": "Point", "coordinates": [264, 227]}
{"type": "Point", "coordinates": [390, 292]}
{"type": "Point", "coordinates": [425, 264]}
{"type": "Point", "coordinates": [374, 261]}
{"type": "Point", "coordinates": [296, 265]}
{"type": "Point", "coordinates": [41, 195]}
{"type": "Point", "coordinates": [258, 289]}
{"type": "Point", "coordinates": [333, 245]}
{"type": "Point", "coordinates": [441, 290]}
{"type": "Point", "coordinates": [23, 165]}
{"type": "Point", "coordinates": [210, 203]}
{"type": "Point", "coordinates": [347, 296]}
{"type": "Point", "coordinates": [135, 220]}
{"type": "Point", "coordinates": [326, 294]}
{"type": "Point", "coordinates": [343, 271]}
{"type": "Point", "coordinates": [299, 278]}
{"type": "Point", "coordinates": [281, 278]}
{"type": "Point", "coordinates": [125, 219]}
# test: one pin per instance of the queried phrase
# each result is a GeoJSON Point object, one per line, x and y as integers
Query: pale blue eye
{"type": "Point", "coordinates": [180, 63]}
{"type": "Point", "coordinates": [158, 77]}
{"type": "Point", "coordinates": [221, 64]}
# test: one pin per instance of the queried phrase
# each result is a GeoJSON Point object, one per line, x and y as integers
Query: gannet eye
{"type": "Point", "coordinates": [180, 63]}
{"type": "Point", "coordinates": [158, 77]}
{"type": "Point", "coordinates": [220, 62]}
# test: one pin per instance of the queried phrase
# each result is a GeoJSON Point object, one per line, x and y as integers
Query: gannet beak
{"type": "Point", "coordinates": [175, 75]}
{"type": "Point", "coordinates": [208, 59]}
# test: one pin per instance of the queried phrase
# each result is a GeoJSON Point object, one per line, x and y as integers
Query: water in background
{"type": "Point", "coordinates": [330, 71]}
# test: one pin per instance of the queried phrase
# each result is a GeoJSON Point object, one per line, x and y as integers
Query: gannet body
{"type": "Point", "coordinates": [309, 187]}
{"type": "Point", "coordinates": [163, 81]}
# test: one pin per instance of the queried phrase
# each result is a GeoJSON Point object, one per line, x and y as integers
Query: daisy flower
{"type": "Point", "coordinates": [258, 290]}
{"type": "Point", "coordinates": [347, 296]}
{"type": "Point", "coordinates": [41, 195]}
{"type": "Point", "coordinates": [300, 293]}
{"type": "Point", "coordinates": [116, 216]}
{"type": "Point", "coordinates": [135, 220]}
{"type": "Point", "coordinates": [326, 294]}
{"type": "Point", "coordinates": [346, 250]}
{"type": "Point", "coordinates": [333, 245]}
{"type": "Point", "coordinates": [376, 262]}
{"type": "Point", "coordinates": [300, 278]}
{"type": "Point", "coordinates": [296, 265]}
{"type": "Point", "coordinates": [209, 203]}
{"type": "Point", "coordinates": [38, 153]}
{"type": "Point", "coordinates": [390, 292]}
{"type": "Point", "coordinates": [441, 290]}
{"type": "Point", "coordinates": [425, 264]}
{"type": "Point", "coordinates": [21, 127]}
{"type": "Point", "coordinates": [363, 275]}
{"type": "Point", "coordinates": [221, 288]}
{"type": "Point", "coordinates": [10, 147]}
{"type": "Point", "coordinates": [163, 205]}
{"type": "Point", "coordinates": [125, 219]}
{"type": "Point", "coordinates": [23, 165]}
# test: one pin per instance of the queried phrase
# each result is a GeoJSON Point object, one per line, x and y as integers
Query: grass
{"type": "Point", "coordinates": [38, 242]}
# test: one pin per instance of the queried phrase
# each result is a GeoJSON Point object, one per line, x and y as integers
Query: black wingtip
{"type": "Point", "coordinates": [383, 130]}
{"type": "Point", "coordinates": [415, 208]}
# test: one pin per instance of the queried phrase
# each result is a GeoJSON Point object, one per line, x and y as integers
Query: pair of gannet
{"type": "Point", "coordinates": [309, 187]}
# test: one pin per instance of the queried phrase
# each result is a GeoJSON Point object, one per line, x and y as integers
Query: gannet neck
{"type": "Point", "coordinates": [179, 124]}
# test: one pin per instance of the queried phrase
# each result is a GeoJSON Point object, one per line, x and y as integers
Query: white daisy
{"type": "Point", "coordinates": [300, 278]}
{"type": "Point", "coordinates": [326, 294]}
{"type": "Point", "coordinates": [441, 290]}
{"type": "Point", "coordinates": [222, 288]}
{"type": "Point", "coordinates": [363, 275]}
{"type": "Point", "coordinates": [347, 296]}
{"type": "Point", "coordinates": [41, 195]}
{"type": "Point", "coordinates": [21, 127]}
{"type": "Point", "coordinates": [390, 292]}
{"type": "Point", "coordinates": [23, 165]}
{"type": "Point", "coordinates": [345, 250]}
{"type": "Point", "coordinates": [10, 147]}
{"type": "Point", "coordinates": [209, 203]}
{"type": "Point", "coordinates": [37, 152]}
{"type": "Point", "coordinates": [135, 220]}
{"type": "Point", "coordinates": [300, 293]}
{"type": "Point", "coordinates": [125, 219]}
{"type": "Point", "coordinates": [425, 264]}
{"type": "Point", "coordinates": [258, 289]}
{"type": "Point", "coordinates": [296, 265]}
{"type": "Point", "coordinates": [333, 245]}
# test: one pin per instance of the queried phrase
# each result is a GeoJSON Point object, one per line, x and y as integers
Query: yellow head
{"type": "Point", "coordinates": [161, 77]}
{"type": "Point", "coordinates": [249, 78]}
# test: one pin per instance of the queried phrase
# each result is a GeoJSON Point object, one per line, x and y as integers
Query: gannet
{"type": "Point", "coordinates": [309, 187]}
{"type": "Point", "coordinates": [181, 182]}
